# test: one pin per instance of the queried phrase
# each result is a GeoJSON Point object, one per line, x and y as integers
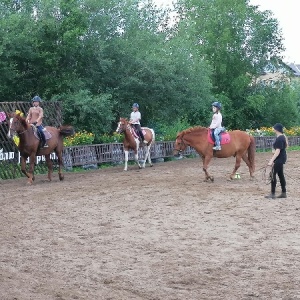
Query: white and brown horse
{"type": "Point", "coordinates": [131, 141]}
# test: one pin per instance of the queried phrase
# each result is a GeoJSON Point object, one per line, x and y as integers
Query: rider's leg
{"type": "Point", "coordinates": [42, 135]}
{"type": "Point", "coordinates": [139, 129]}
{"type": "Point", "coordinates": [217, 138]}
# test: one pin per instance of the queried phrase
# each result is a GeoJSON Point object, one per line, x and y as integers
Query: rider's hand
{"type": "Point", "coordinates": [34, 123]}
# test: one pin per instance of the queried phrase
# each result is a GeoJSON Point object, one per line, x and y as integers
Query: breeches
{"type": "Point", "coordinates": [278, 170]}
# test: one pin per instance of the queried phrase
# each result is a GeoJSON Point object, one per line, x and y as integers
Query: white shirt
{"type": "Point", "coordinates": [135, 117]}
{"type": "Point", "coordinates": [216, 121]}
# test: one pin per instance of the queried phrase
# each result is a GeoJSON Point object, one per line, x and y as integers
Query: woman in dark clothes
{"type": "Point", "coordinates": [277, 161]}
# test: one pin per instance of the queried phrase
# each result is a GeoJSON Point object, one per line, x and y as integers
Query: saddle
{"type": "Point", "coordinates": [135, 133]}
{"type": "Point", "coordinates": [37, 133]}
{"type": "Point", "coordinates": [224, 137]}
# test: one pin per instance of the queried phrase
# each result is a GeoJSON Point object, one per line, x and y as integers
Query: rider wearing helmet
{"type": "Point", "coordinates": [35, 117]}
{"type": "Point", "coordinates": [135, 118]}
{"type": "Point", "coordinates": [216, 124]}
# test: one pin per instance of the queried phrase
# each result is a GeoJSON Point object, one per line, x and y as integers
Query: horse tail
{"type": "Point", "coordinates": [66, 130]}
{"type": "Point", "coordinates": [251, 153]}
{"type": "Point", "coordinates": [153, 135]}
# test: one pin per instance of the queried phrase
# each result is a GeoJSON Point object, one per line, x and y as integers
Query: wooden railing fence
{"type": "Point", "coordinates": [93, 155]}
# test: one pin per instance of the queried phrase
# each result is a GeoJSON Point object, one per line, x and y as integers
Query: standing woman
{"type": "Point", "coordinates": [277, 161]}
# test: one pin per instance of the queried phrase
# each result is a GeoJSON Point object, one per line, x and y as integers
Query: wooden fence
{"type": "Point", "coordinates": [92, 155]}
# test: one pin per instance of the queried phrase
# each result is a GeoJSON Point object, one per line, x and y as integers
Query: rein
{"type": "Point", "coordinates": [182, 142]}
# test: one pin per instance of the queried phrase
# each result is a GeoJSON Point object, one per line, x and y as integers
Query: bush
{"type": "Point", "coordinates": [169, 132]}
{"type": "Point", "coordinates": [268, 131]}
{"type": "Point", "coordinates": [79, 138]}
{"type": "Point", "coordinates": [114, 138]}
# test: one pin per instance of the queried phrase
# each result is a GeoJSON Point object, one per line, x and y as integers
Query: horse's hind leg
{"type": "Point", "coordinates": [58, 151]}
{"type": "Point", "coordinates": [238, 160]}
{"type": "Point", "coordinates": [147, 156]}
{"type": "Point", "coordinates": [246, 160]}
{"type": "Point", "coordinates": [50, 166]}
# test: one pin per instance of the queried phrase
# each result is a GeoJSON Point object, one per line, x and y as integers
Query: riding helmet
{"type": "Point", "coordinates": [135, 105]}
{"type": "Point", "coordinates": [36, 99]}
{"type": "Point", "coordinates": [217, 104]}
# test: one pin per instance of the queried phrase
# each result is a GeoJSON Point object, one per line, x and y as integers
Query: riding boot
{"type": "Point", "coordinates": [282, 195]}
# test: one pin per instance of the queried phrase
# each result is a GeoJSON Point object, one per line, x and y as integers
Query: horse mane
{"type": "Point", "coordinates": [192, 130]}
{"type": "Point", "coordinates": [22, 121]}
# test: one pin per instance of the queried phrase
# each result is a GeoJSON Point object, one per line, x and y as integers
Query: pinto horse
{"type": "Point", "coordinates": [241, 145]}
{"type": "Point", "coordinates": [132, 142]}
{"type": "Point", "coordinates": [29, 145]}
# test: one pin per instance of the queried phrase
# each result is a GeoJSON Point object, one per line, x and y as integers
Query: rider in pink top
{"type": "Point", "coordinates": [216, 124]}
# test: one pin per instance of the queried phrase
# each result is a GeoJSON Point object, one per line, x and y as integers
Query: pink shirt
{"type": "Point", "coordinates": [216, 121]}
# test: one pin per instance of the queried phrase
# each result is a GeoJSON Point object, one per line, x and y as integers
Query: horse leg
{"type": "Point", "coordinates": [126, 159]}
{"type": "Point", "coordinates": [31, 168]}
{"type": "Point", "coordinates": [23, 165]}
{"type": "Point", "coordinates": [206, 160]}
{"type": "Point", "coordinates": [58, 152]}
{"type": "Point", "coordinates": [136, 158]}
{"type": "Point", "coordinates": [50, 166]}
{"type": "Point", "coordinates": [147, 156]}
{"type": "Point", "coordinates": [238, 160]}
{"type": "Point", "coordinates": [246, 160]}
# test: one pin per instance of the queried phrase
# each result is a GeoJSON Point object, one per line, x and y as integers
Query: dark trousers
{"type": "Point", "coordinates": [139, 130]}
{"type": "Point", "coordinates": [41, 134]}
{"type": "Point", "coordinates": [278, 170]}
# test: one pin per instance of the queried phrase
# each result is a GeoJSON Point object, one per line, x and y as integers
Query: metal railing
{"type": "Point", "coordinates": [88, 155]}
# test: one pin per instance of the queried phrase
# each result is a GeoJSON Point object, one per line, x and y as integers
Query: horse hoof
{"type": "Point", "coordinates": [151, 165]}
{"type": "Point", "coordinates": [61, 177]}
{"type": "Point", "coordinates": [212, 179]}
{"type": "Point", "coordinates": [140, 167]}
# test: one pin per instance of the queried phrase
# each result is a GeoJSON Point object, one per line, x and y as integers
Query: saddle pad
{"type": "Point", "coordinates": [224, 137]}
{"type": "Point", "coordinates": [46, 133]}
{"type": "Point", "coordinates": [135, 133]}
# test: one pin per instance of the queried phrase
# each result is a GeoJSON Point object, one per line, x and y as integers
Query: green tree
{"type": "Point", "coordinates": [238, 41]}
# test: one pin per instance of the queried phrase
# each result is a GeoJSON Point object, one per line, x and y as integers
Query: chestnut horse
{"type": "Point", "coordinates": [241, 145]}
{"type": "Point", "coordinates": [132, 142]}
{"type": "Point", "coordinates": [29, 145]}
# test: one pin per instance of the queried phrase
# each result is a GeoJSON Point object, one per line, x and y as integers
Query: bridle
{"type": "Point", "coordinates": [181, 143]}
{"type": "Point", "coordinates": [14, 131]}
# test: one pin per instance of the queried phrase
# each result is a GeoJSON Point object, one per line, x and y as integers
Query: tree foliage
{"type": "Point", "coordinates": [99, 56]}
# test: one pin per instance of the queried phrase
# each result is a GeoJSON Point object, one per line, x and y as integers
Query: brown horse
{"type": "Point", "coordinates": [132, 142]}
{"type": "Point", "coordinates": [29, 145]}
{"type": "Point", "coordinates": [241, 145]}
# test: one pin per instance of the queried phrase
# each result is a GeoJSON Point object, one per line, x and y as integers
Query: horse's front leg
{"type": "Point", "coordinates": [23, 165]}
{"type": "Point", "coordinates": [126, 160]}
{"type": "Point", "coordinates": [50, 166]}
{"type": "Point", "coordinates": [136, 158]}
{"type": "Point", "coordinates": [31, 168]}
{"type": "Point", "coordinates": [238, 160]}
{"type": "Point", "coordinates": [206, 160]}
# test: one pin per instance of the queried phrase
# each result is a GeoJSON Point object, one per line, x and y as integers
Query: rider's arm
{"type": "Point", "coordinates": [41, 115]}
{"type": "Point", "coordinates": [28, 118]}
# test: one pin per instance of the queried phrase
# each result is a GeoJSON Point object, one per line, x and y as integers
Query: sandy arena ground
{"type": "Point", "coordinates": [160, 233]}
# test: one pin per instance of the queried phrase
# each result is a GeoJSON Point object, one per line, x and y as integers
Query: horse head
{"type": "Point", "coordinates": [180, 145]}
{"type": "Point", "coordinates": [122, 125]}
{"type": "Point", "coordinates": [17, 124]}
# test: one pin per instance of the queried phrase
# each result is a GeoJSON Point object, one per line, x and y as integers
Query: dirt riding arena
{"type": "Point", "coordinates": [158, 233]}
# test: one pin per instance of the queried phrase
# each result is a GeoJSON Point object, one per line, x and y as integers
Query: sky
{"type": "Point", "coordinates": [286, 12]}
